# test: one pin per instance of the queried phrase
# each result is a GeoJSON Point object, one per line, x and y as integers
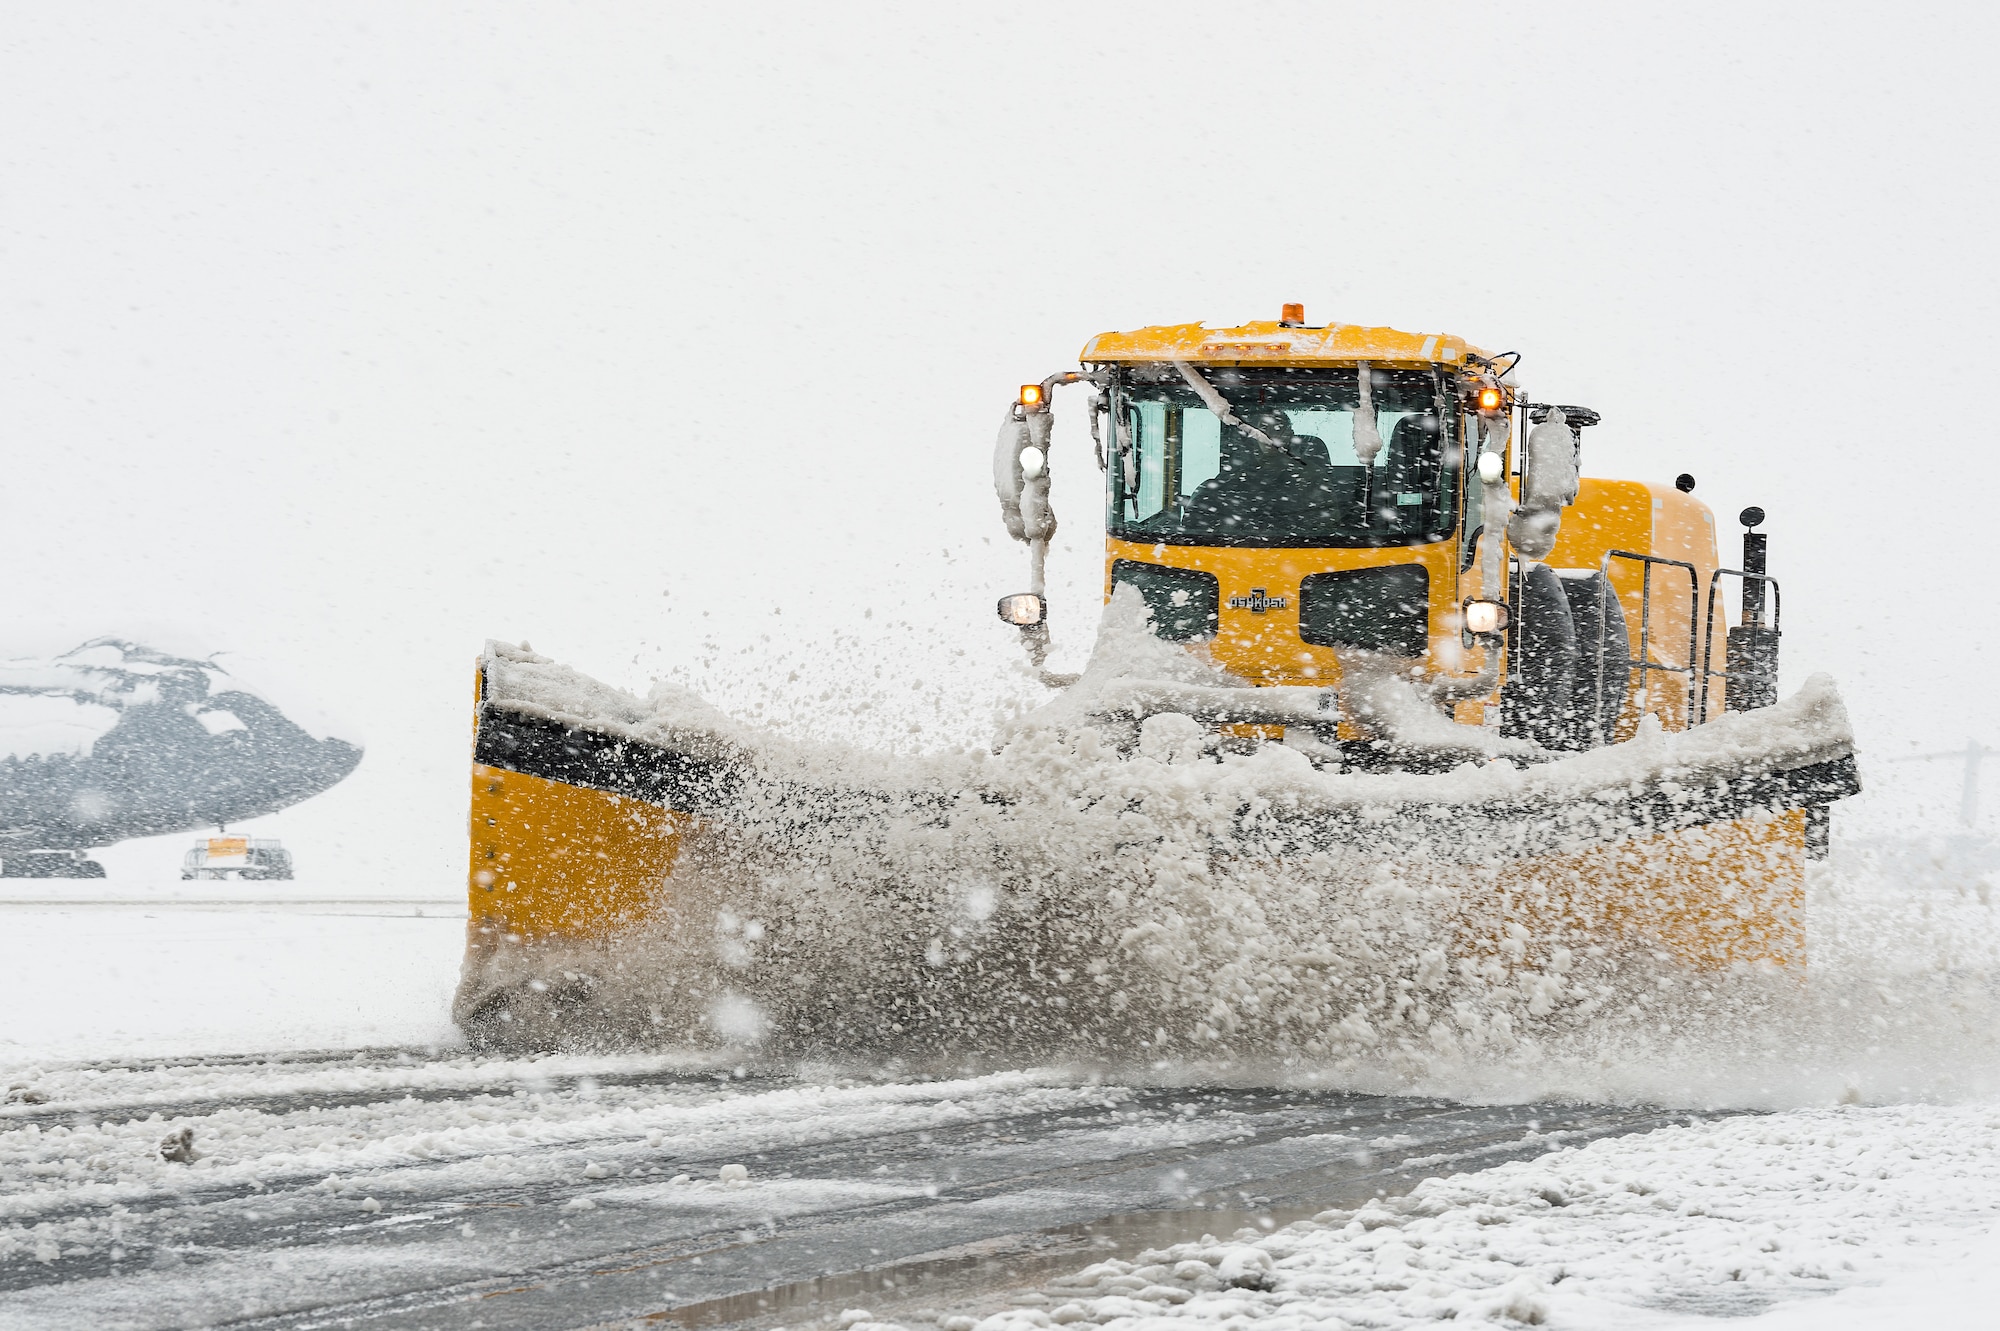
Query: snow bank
{"type": "Point", "coordinates": [141, 979]}
{"type": "Point", "coordinates": [1669, 1229]}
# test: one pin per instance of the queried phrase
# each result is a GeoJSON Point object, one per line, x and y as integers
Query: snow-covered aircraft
{"type": "Point", "coordinates": [116, 740]}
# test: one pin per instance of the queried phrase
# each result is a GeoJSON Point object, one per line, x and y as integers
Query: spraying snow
{"type": "Point", "coordinates": [1113, 890]}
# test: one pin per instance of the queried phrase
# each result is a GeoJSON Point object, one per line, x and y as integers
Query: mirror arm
{"type": "Point", "coordinates": [1024, 493]}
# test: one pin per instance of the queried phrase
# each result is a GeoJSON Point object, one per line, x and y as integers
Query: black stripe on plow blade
{"type": "Point", "coordinates": [1494, 831]}
{"type": "Point", "coordinates": [555, 751]}
{"type": "Point", "coordinates": [1446, 830]}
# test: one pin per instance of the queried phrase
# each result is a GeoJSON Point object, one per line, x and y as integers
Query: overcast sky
{"type": "Point", "coordinates": [349, 336]}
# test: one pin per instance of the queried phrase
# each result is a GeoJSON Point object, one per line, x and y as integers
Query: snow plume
{"type": "Point", "coordinates": [1138, 900]}
{"type": "Point", "coordinates": [1172, 960]}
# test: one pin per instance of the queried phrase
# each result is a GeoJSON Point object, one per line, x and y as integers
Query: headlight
{"type": "Point", "coordinates": [1484, 619]}
{"type": "Point", "coordinates": [1032, 462]}
{"type": "Point", "coordinates": [1023, 609]}
{"type": "Point", "coordinates": [1492, 468]}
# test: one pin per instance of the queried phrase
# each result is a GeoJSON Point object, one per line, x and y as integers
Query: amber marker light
{"type": "Point", "coordinates": [1293, 314]}
{"type": "Point", "coordinates": [1491, 399]}
{"type": "Point", "coordinates": [1032, 395]}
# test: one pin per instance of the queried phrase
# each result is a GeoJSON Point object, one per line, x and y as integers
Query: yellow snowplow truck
{"type": "Point", "coordinates": [1366, 623]}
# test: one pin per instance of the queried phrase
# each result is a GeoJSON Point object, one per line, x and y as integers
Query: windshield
{"type": "Point", "coordinates": [1184, 474]}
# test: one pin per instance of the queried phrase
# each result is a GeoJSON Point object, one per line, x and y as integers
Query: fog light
{"type": "Point", "coordinates": [1023, 609]}
{"type": "Point", "coordinates": [1484, 619]}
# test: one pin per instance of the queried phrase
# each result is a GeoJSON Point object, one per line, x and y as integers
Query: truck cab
{"type": "Point", "coordinates": [1296, 500]}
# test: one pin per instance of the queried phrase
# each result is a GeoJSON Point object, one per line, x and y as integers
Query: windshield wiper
{"type": "Point", "coordinates": [1216, 403]}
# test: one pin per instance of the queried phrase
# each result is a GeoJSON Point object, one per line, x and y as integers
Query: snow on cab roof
{"type": "Point", "coordinates": [1274, 343]}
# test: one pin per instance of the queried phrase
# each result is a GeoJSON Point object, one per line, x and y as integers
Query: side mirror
{"type": "Point", "coordinates": [1579, 418]}
{"type": "Point", "coordinates": [1023, 609]}
{"type": "Point", "coordinates": [1548, 464]}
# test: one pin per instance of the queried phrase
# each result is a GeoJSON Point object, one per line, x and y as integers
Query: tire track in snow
{"type": "Point", "coordinates": [843, 1179]}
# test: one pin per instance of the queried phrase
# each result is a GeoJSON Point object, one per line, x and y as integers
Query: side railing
{"type": "Point", "coordinates": [1746, 669]}
{"type": "Point", "coordinates": [1644, 663]}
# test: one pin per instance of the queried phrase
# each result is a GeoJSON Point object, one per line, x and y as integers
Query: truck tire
{"type": "Point", "coordinates": [1599, 620]}
{"type": "Point", "coordinates": [1535, 700]}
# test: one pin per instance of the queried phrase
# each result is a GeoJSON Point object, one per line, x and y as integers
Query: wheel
{"type": "Point", "coordinates": [1599, 621]}
{"type": "Point", "coordinates": [1535, 700]}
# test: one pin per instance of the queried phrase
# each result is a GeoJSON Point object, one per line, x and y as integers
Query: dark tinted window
{"type": "Point", "coordinates": [1187, 476]}
{"type": "Point", "coordinates": [1381, 609]}
{"type": "Point", "coordinates": [1183, 600]}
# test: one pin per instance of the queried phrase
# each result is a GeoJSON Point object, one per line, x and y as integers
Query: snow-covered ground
{"type": "Point", "coordinates": [572, 1190]}
{"type": "Point", "coordinates": [1890, 1211]}
{"type": "Point", "coordinates": [1871, 1195]}
{"type": "Point", "coordinates": [91, 969]}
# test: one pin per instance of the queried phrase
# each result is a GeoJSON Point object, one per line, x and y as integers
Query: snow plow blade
{"type": "Point", "coordinates": [650, 869]}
